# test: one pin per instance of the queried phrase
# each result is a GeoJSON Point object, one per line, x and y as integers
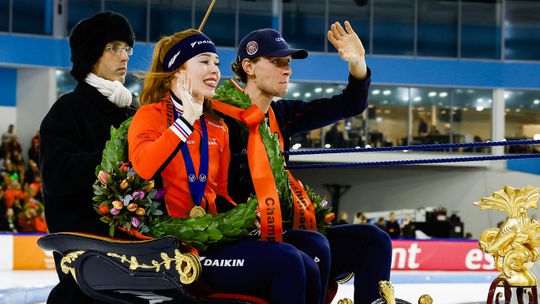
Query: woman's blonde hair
{"type": "Point", "coordinates": [157, 81]}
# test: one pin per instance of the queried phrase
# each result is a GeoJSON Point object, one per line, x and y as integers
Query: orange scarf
{"type": "Point", "coordinates": [261, 172]}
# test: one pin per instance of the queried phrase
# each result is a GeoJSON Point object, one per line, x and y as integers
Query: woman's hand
{"type": "Point", "coordinates": [193, 105]}
{"type": "Point", "coordinates": [349, 47]}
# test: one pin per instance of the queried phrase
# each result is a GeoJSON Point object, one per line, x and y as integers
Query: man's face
{"type": "Point", "coordinates": [113, 66]}
{"type": "Point", "coordinates": [272, 75]}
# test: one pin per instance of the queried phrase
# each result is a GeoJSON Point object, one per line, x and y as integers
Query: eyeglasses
{"type": "Point", "coordinates": [118, 49]}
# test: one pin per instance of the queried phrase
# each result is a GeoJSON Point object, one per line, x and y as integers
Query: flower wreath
{"type": "Point", "coordinates": [127, 202]}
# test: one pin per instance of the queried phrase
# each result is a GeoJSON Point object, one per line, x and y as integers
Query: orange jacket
{"type": "Point", "coordinates": [153, 140]}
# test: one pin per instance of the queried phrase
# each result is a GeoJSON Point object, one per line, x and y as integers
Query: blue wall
{"type": "Point", "coordinates": [8, 87]}
{"type": "Point", "coordinates": [319, 67]}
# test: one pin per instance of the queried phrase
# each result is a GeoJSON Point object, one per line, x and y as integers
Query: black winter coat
{"type": "Point", "coordinates": [73, 136]}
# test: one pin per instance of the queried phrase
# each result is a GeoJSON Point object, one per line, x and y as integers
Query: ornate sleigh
{"type": "Point", "coordinates": [151, 271]}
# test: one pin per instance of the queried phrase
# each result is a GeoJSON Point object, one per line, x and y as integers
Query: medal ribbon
{"type": "Point", "coordinates": [304, 211]}
{"type": "Point", "coordinates": [197, 183]}
{"type": "Point", "coordinates": [261, 171]}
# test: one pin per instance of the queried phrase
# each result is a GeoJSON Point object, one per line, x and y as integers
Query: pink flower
{"type": "Point", "coordinates": [132, 207]}
{"type": "Point", "coordinates": [115, 211]}
{"type": "Point", "coordinates": [138, 194]}
{"type": "Point", "coordinates": [104, 177]}
{"type": "Point", "coordinates": [118, 204]}
{"type": "Point", "coordinates": [135, 222]}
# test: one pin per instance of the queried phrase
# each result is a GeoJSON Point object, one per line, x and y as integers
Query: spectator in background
{"type": "Point", "coordinates": [360, 218]}
{"type": "Point", "coordinates": [381, 223]}
{"type": "Point", "coordinates": [33, 152]}
{"type": "Point", "coordinates": [334, 137]}
{"type": "Point", "coordinates": [343, 218]}
{"type": "Point", "coordinates": [408, 229]}
{"type": "Point", "coordinates": [8, 222]}
{"type": "Point", "coordinates": [422, 126]}
{"type": "Point", "coordinates": [392, 226]}
{"type": "Point", "coordinates": [8, 135]}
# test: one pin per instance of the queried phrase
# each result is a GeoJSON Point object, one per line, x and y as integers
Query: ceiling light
{"type": "Point", "coordinates": [387, 92]}
{"type": "Point", "coordinates": [329, 90]}
{"type": "Point", "coordinates": [296, 94]}
{"type": "Point", "coordinates": [479, 108]}
{"type": "Point", "coordinates": [307, 95]}
{"type": "Point", "coordinates": [318, 90]}
{"type": "Point", "coordinates": [443, 94]}
{"type": "Point", "coordinates": [296, 146]}
{"type": "Point", "coordinates": [417, 98]}
{"type": "Point", "coordinates": [328, 146]}
{"type": "Point", "coordinates": [432, 94]}
{"type": "Point", "coordinates": [536, 101]}
{"type": "Point", "coordinates": [375, 92]}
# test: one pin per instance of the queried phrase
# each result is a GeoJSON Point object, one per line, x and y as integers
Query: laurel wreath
{"type": "Point", "coordinates": [229, 94]}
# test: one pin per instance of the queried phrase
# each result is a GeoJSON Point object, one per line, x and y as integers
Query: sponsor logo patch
{"type": "Point", "coordinates": [252, 47]}
{"type": "Point", "coordinates": [222, 262]}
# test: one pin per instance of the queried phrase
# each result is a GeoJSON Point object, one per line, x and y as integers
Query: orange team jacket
{"type": "Point", "coordinates": [153, 140]}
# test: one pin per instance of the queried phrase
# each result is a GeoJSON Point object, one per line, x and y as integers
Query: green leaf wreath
{"type": "Point", "coordinates": [228, 93]}
{"type": "Point", "coordinates": [126, 201]}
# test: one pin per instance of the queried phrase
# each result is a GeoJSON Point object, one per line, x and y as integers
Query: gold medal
{"type": "Point", "coordinates": [197, 211]}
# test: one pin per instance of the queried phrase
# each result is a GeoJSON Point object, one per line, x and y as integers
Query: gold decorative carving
{"type": "Point", "coordinates": [386, 290]}
{"type": "Point", "coordinates": [425, 299]}
{"type": "Point", "coordinates": [345, 301]}
{"type": "Point", "coordinates": [187, 265]}
{"type": "Point", "coordinates": [68, 259]}
{"type": "Point", "coordinates": [513, 244]}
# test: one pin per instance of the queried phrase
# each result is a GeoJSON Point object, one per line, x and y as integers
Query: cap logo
{"type": "Point", "coordinates": [252, 47]}
{"type": "Point", "coordinates": [280, 39]}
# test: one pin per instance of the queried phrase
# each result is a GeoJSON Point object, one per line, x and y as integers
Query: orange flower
{"type": "Point", "coordinates": [150, 186]}
{"type": "Point", "coordinates": [118, 204]}
{"type": "Point", "coordinates": [132, 207]}
{"type": "Point", "coordinates": [124, 167]}
{"type": "Point", "coordinates": [124, 185]}
{"type": "Point", "coordinates": [329, 217]}
{"type": "Point", "coordinates": [140, 211]}
{"type": "Point", "coordinates": [103, 209]}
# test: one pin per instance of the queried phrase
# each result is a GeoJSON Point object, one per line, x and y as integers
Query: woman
{"type": "Point", "coordinates": [175, 136]}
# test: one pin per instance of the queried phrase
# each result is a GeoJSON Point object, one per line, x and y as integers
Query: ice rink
{"type": "Point", "coordinates": [22, 287]}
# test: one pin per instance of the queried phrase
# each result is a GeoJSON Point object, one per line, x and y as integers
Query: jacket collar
{"type": "Point", "coordinates": [95, 97]}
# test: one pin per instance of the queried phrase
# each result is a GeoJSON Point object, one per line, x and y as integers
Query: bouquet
{"type": "Point", "coordinates": [127, 202]}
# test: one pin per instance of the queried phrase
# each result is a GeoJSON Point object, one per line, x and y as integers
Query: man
{"type": "Point", "coordinates": [263, 63]}
{"type": "Point", "coordinates": [8, 135]}
{"type": "Point", "coordinates": [392, 226]}
{"type": "Point", "coordinates": [74, 132]}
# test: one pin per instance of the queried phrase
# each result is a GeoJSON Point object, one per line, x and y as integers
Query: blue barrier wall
{"type": "Point", "coordinates": [8, 87]}
{"type": "Point", "coordinates": [21, 50]}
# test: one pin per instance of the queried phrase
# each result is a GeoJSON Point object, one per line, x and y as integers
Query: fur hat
{"type": "Point", "coordinates": [89, 37]}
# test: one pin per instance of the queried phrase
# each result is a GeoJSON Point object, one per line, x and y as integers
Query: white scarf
{"type": "Point", "coordinates": [113, 90]}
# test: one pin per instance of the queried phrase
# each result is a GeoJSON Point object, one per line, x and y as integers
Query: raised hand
{"type": "Point", "coordinates": [349, 47]}
{"type": "Point", "coordinates": [193, 105]}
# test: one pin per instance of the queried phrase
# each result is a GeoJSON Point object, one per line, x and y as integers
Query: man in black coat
{"type": "Point", "coordinates": [74, 132]}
